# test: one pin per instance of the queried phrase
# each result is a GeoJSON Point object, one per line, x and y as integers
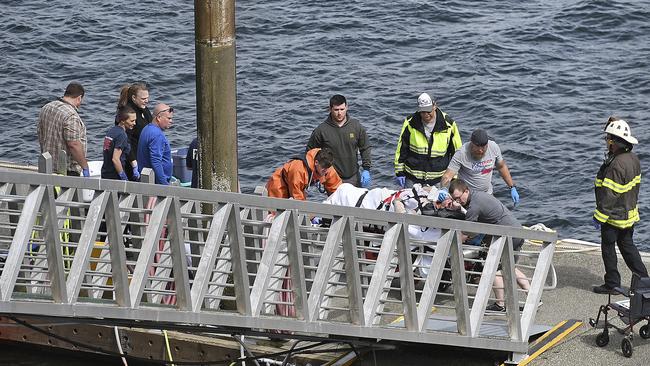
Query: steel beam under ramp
{"type": "Point", "coordinates": [121, 251]}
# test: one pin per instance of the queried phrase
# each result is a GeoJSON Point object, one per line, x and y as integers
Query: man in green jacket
{"type": "Point", "coordinates": [428, 141]}
{"type": "Point", "coordinates": [617, 192]}
{"type": "Point", "coordinates": [347, 138]}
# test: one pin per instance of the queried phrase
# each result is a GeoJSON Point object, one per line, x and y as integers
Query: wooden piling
{"type": "Point", "coordinates": [216, 94]}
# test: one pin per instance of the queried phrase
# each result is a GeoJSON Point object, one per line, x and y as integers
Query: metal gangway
{"type": "Point", "coordinates": [136, 252]}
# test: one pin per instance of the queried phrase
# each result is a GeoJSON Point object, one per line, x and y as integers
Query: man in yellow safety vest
{"type": "Point", "coordinates": [428, 140]}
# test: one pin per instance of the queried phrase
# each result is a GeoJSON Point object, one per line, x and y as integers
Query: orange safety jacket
{"type": "Point", "coordinates": [292, 179]}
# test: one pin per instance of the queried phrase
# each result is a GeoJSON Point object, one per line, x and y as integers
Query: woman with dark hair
{"type": "Point", "coordinates": [116, 145]}
{"type": "Point", "coordinates": [115, 150]}
{"type": "Point", "coordinates": [135, 96]}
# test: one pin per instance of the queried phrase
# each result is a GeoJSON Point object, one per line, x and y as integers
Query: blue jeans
{"type": "Point", "coordinates": [476, 240]}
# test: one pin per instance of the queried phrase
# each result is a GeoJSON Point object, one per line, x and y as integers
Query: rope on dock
{"type": "Point", "coordinates": [10, 165]}
{"type": "Point", "coordinates": [564, 245]}
{"type": "Point", "coordinates": [572, 245]}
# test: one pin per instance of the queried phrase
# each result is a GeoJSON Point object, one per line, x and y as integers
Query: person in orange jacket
{"type": "Point", "coordinates": [292, 179]}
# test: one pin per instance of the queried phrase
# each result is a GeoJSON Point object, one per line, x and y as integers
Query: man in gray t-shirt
{"type": "Point", "coordinates": [474, 163]}
{"type": "Point", "coordinates": [482, 207]}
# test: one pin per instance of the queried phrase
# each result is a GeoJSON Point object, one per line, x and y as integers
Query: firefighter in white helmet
{"type": "Point", "coordinates": [617, 193]}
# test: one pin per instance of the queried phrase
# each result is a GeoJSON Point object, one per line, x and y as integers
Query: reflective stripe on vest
{"type": "Point", "coordinates": [419, 144]}
{"type": "Point", "coordinates": [423, 175]}
{"type": "Point", "coordinates": [618, 188]}
{"type": "Point", "coordinates": [632, 217]}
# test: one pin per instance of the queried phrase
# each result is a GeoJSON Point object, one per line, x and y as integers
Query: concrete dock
{"type": "Point", "coordinates": [578, 270]}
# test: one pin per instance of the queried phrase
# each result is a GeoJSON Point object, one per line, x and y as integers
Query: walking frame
{"type": "Point", "coordinates": [631, 312]}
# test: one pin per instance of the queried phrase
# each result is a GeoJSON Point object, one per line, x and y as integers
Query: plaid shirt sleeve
{"type": "Point", "coordinates": [73, 128]}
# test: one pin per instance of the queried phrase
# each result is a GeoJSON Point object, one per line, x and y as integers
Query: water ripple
{"type": "Point", "coordinates": [542, 77]}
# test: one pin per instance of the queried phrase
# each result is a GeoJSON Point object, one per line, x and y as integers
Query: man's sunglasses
{"type": "Point", "coordinates": [170, 110]}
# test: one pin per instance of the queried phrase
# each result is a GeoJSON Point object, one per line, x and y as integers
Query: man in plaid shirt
{"type": "Point", "coordinates": [61, 128]}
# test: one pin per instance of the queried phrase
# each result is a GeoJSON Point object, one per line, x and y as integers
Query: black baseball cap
{"type": "Point", "coordinates": [479, 137]}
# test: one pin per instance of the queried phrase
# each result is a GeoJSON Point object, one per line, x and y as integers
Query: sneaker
{"type": "Point", "coordinates": [603, 289]}
{"type": "Point", "coordinates": [496, 308]}
{"type": "Point", "coordinates": [539, 304]}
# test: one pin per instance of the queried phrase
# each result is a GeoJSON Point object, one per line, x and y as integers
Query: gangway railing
{"type": "Point", "coordinates": [91, 248]}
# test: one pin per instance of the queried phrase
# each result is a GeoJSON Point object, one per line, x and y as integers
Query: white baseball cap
{"type": "Point", "coordinates": [424, 103]}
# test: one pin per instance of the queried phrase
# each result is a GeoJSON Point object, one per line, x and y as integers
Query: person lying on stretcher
{"type": "Point", "coordinates": [418, 200]}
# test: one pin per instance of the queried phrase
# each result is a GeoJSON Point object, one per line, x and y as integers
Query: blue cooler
{"type": "Point", "coordinates": [180, 167]}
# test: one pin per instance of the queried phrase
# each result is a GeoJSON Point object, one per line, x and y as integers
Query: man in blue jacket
{"type": "Point", "coordinates": [153, 147]}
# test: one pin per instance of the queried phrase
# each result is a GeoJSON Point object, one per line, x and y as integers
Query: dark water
{"type": "Point", "coordinates": [541, 76]}
{"type": "Point", "coordinates": [23, 355]}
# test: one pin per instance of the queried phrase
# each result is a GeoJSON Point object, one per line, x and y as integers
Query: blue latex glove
{"type": "Point", "coordinates": [596, 224]}
{"type": "Point", "coordinates": [515, 195]}
{"type": "Point", "coordinates": [443, 193]}
{"type": "Point", "coordinates": [316, 220]}
{"type": "Point", "coordinates": [365, 179]}
{"type": "Point", "coordinates": [136, 173]}
{"type": "Point", "coordinates": [122, 175]}
{"type": "Point", "coordinates": [401, 181]}
{"type": "Point", "coordinates": [86, 172]}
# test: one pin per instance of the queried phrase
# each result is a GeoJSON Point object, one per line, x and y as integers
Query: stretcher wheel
{"type": "Point", "coordinates": [602, 339]}
{"type": "Point", "coordinates": [592, 322]}
{"type": "Point", "coordinates": [644, 332]}
{"type": "Point", "coordinates": [626, 347]}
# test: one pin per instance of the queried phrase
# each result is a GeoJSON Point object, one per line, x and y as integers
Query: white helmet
{"type": "Point", "coordinates": [621, 129]}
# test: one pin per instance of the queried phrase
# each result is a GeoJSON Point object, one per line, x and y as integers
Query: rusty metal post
{"type": "Point", "coordinates": [216, 94]}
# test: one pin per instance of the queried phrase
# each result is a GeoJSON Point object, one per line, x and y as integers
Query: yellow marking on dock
{"type": "Point", "coordinates": [548, 333]}
{"type": "Point", "coordinates": [552, 337]}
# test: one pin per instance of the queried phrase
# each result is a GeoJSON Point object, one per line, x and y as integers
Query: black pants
{"type": "Point", "coordinates": [610, 236]}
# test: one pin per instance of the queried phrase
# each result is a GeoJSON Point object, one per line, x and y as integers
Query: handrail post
{"type": "Point", "coordinates": [147, 176]}
{"type": "Point", "coordinates": [45, 163]}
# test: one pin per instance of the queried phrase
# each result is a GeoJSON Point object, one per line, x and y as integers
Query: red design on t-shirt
{"type": "Point", "coordinates": [107, 143]}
